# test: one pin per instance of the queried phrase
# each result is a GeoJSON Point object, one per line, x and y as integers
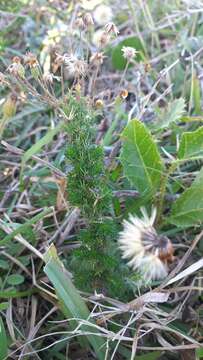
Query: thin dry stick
{"type": "Point", "coordinates": [182, 261]}
{"type": "Point", "coordinates": [16, 150]}
{"type": "Point", "coordinates": [20, 239]}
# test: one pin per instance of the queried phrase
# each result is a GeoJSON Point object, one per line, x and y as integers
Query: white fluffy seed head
{"type": "Point", "coordinates": [137, 243]}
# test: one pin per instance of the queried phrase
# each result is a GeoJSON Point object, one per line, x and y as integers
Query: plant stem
{"type": "Point", "coordinates": [132, 11]}
{"type": "Point", "coordinates": [164, 182]}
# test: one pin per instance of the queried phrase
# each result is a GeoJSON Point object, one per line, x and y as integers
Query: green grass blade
{"type": "Point", "coordinates": [3, 341]}
{"type": "Point", "coordinates": [34, 149]}
{"type": "Point", "coordinates": [72, 303]}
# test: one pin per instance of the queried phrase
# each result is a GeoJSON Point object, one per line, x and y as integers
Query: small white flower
{"type": "Point", "coordinates": [129, 52]}
{"type": "Point", "coordinates": [102, 14]}
{"type": "Point", "coordinates": [148, 252]}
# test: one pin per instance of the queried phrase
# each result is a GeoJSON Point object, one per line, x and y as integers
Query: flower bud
{"type": "Point", "coordinates": [79, 23]}
{"type": "Point", "coordinates": [16, 68]}
{"type": "Point", "coordinates": [35, 72]}
{"type": "Point", "coordinates": [9, 106]}
{"type": "Point", "coordinates": [111, 28]}
{"type": "Point", "coordinates": [99, 104]}
{"type": "Point", "coordinates": [123, 94]}
{"type": "Point", "coordinates": [30, 59]}
{"type": "Point", "coordinates": [88, 20]}
{"type": "Point", "coordinates": [104, 39]}
{"type": "Point", "coordinates": [147, 67]}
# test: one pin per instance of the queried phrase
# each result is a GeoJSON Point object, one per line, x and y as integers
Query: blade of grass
{"type": "Point", "coordinates": [3, 341]}
{"type": "Point", "coordinates": [24, 226]}
{"type": "Point", "coordinates": [72, 303]}
{"type": "Point", "coordinates": [46, 139]}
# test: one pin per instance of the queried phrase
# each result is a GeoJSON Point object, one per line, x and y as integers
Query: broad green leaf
{"type": "Point", "coordinates": [72, 303]}
{"type": "Point", "coordinates": [3, 341]}
{"type": "Point", "coordinates": [188, 209]}
{"type": "Point", "coordinates": [118, 60]}
{"type": "Point", "coordinates": [15, 279]}
{"type": "Point", "coordinates": [191, 144]}
{"type": "Point", "coordinates": [172, 114]}
{"type": "Point", "coordinates": [140, 158]}
{"type": "Point", "coordinates": [34, 149]}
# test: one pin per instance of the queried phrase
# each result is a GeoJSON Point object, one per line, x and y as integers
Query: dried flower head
{"type": "Point", "coordinates": [16, 68]}
{"type": "Point", "coordinates": [60, 59]}
{"type": "Point", "coordinates": [97, 58]}
{"type": "Point", "coordinates": [148, 252]}
{"type": "Point", "coordinates": [111, 28]}
{"type": "Point", "coordinates": [103, 14]}
{"type": "Point", "coordinates": [30, 59]}
{"type": "Point", "coordinates": [75, 66]}
{"type": "Point", "coordinates": [16, 60]}
{"type": "Point", "coordinates": [129, 52]}
{"type": "Point", "coordinates": [88, 20]}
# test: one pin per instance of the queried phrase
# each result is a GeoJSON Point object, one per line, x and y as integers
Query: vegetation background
{"type": "Point", "coordinates": [101, 114]}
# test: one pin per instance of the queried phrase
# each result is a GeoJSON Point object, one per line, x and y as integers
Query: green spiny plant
{"type": "Point", "coordinates": [95, 262]}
